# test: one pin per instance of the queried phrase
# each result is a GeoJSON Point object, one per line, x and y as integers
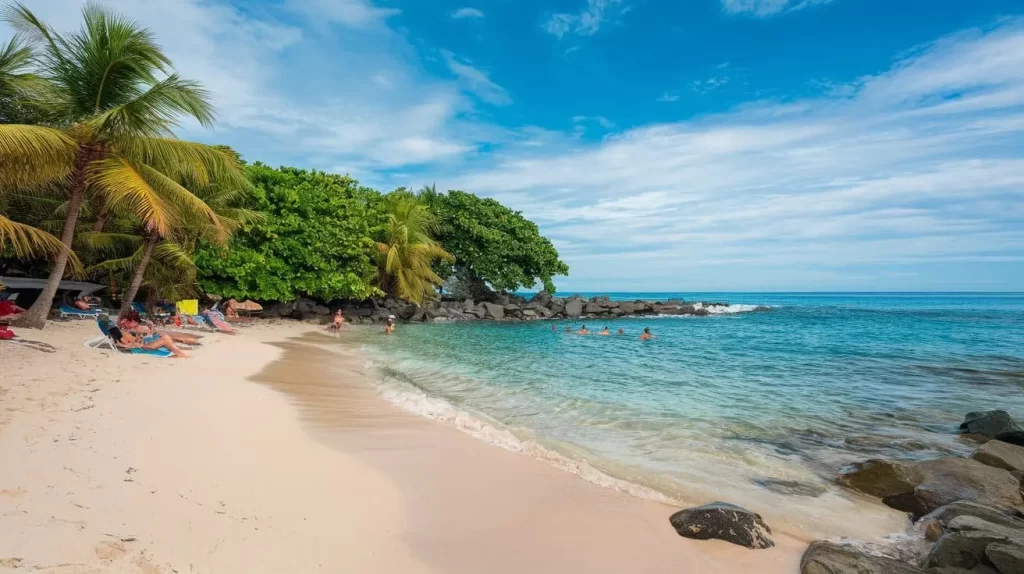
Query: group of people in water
{"type": "Point", "coordinates": [603, 332]}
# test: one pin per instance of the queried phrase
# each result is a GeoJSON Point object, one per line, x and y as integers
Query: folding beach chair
{"type": "Point", "coordinates": [107, 342]}
{"type": "Point", "coordinates": [67, 311]}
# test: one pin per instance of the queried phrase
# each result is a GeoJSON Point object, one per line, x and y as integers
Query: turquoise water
{"type": "Point", "coordinates": [719, 407]}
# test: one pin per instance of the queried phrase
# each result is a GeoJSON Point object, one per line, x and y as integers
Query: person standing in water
{"type": "Point", "coordinates": [568, 328]}
{"type": "Point", "coordinates": [604, 332]}
{"type": "Point", "coordinates": [583, 330]}
{"type": "Point", "coordinates": [646, 334]}
{"type": "Point", "coordinates": [389, 325]}
{"type": "Point", "coordinates": [621, 331]}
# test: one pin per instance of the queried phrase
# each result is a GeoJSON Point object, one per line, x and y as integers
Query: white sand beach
{"type": "Point", "coordinates": [267, 452]}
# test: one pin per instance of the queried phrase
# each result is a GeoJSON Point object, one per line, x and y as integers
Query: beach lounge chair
{"type": "Point", "coordinates": [216, 318]}
{"type": "Point", "coordinates": [67, 311]}
{"type": "Point", "coordinates": [107, 342]}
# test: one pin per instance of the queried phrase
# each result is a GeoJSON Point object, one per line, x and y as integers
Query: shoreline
{"type": "Point", "coordinates": [296, 473]}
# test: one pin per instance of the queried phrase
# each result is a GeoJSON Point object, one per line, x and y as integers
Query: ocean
{"type": "Point", "coordinates": [757, 407]}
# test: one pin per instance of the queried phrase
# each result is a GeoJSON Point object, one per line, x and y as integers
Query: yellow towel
{"type": "Point", "coordinates": [188, 307]}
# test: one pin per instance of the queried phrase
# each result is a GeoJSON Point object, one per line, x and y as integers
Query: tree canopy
{"type": "Point", "coordinates": [492, 242]}
{"type": "Point", "coordinates": [314, 240]}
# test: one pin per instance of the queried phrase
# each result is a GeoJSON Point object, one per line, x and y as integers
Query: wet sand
{"type": "Point", "coordinates": [473, 507]}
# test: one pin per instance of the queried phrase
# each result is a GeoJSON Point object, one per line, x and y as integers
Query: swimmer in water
{"type": "Point", "coordinates": [568, 328]}
{"type": "Point", "coordinates": [583, 331]}
{"type": "Point", "coordinates": [553, 328]}
{"type": "Point", "coordinates": [622, 332]}
{"type": "Point", "coordinates": [604, 332]}
{"type": "Point", "coordinates": [646, 334]}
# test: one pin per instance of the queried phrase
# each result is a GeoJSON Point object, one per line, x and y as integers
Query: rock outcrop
{"type": "Point", "coordinates": [993, 424]}
{"type": "Point", "coordinates": [823, 557]}
{"type": "Point", "coordinates": [1001, 455]}
{"type": "Point", "coordinates": [723, 521]}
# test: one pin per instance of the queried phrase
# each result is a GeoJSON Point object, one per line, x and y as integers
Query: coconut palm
{"type": "Point", "coordinates": [112, 92]}
{"type": "Point", "coordinates": [408, 249]}
{"type": "Point", "coordinates": [45, 147]}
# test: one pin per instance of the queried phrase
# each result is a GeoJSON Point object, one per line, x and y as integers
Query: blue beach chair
{"type": "Point", "coordinates": [107, 342]}
{"type": "Point", "coordinates": [67, 311]}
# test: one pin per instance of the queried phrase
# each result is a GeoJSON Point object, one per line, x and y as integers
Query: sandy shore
{"type": "Point", "coordinates": [270, 452]}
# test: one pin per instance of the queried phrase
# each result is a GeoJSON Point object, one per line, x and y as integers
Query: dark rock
{"type": "Point", "coordinates": [627, 308]}
{"type": "Point", "coordinates": [920, 487]}
{"type": "Point", "coordinates": [405, 313]}
{"type": "Point", "coordinates": [573, 308]}
{"type": "Point", "coordinates": [419, 315]}
{"type": "Point", "coordinates": [982, 569]}
{"type": "Point", "coordinates": [989, 423]}
{"type": "Point", "coordinates": [791, 487]}
{"type": "Point", "coordinates": [542, 298]}
{"type": "Point", "coordinates": [1007, 558]}
{"type": "Point", "coordinates": [999, 516]}
{"type": "Point", "coordinates": [530, 314]}
{"type": "Point", "coordinates": [512, 308]}
{"type": "Point", "coordinates": [503, 299]}
{"type": "Point", "coordinates": [493, 311]}
{"type": "Point", "coordinates": [932, 530]}
{"type": "Point", "coordinates": [1000, 455]}
{"type": "Point", "coordinates": [723, 521]}
{"type": "Point", "coordinates": [823, 557]}
{"type": "Point", "coordinates": [593, 308]}
{"type": "Point", "coordinates": [1013, 437]}
{"type": "Point", "coordinates": [479, 312]}
{"type": "Point", "coordinates": [964, 545]}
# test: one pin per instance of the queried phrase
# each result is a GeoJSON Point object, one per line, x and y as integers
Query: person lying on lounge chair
{"type": "Point", "coordinates": [131, 321]}
{"type": "Point", "coordinates": [151, 343]}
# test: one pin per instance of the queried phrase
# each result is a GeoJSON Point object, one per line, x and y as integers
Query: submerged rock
{"type": "Point", "coordinates": [990, 423]}
{"type": "Point", "coordinates": [723, 521]}
{"type": "Point", "coordinates": [823, 557]}
{"type": "Point", "coordinates": [1008, 559]}
{"type": "Point", "coordinates": [791, 487]}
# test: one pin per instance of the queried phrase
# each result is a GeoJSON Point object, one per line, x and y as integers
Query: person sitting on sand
{"type": "Point", "coordinates": [583, 330]}
{"type": "Point", "coordinates": [621, 331]}
{"type": "Point", "coordinates": [604, 332]}
{"type": "Point", "coordinates": [126, 340]}
{"type": "Point", "coordinates": [646, 334]}
{"type": "Point", "coordinates": [338, 322]}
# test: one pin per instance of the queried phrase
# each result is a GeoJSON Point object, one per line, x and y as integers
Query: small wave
{"type": "Point", "coordinates": [721, 309]}
{"type": "Point", "coordinates": [395, 387]}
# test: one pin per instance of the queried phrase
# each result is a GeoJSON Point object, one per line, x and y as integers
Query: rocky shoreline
{"type": "Point", "coordinates": [503, 307]}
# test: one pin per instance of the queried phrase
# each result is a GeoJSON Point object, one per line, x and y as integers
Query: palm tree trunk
{"type": "Point", "coordinates": [35, 316]}
{"type": "Point", "coordinates": [101, 220]}
{"type": "Point", "coordinates": [140, 270]}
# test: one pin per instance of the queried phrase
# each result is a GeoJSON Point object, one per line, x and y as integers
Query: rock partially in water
{"type": "Point", "coordinates": [1013, 437]}
{"type": "Point", "coordinates": [1002, 517]}
{"type": "Point", "coordinates": [1007, 558]}
{"type": "Point", "coordinates": [573, 308]}
{"type": "Point", "coordinates": [823, 557]}
{"type": "Point", "coordinates": [932, 530]}
{"type": "Point", "coordinates": [990, 423]}
{"type": "Point", "coordinates": [723, 521]}
{"type": "Point", "coordinates": [1001, 455]}
{"type": "Point", "coordinates": [791, 487]}
{"type": "Point", "coordinates": [921, 487]}
{"type": "Point", "coordinates": [966, 543]}
{"type": "Point", "coordinates": [494, 311]}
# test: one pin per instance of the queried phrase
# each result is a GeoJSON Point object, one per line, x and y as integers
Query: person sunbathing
{"type": "Point", "coordinates": [131, 321]}
{"type": "Point", "coordinates": [83, 304]}
{"type": "Point", "coordinates": [125, 340]}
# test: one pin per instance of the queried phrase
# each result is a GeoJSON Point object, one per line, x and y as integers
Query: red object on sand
{"type": "Point", "coordinates": [5, 333]}
{"type": "Point", "coordinates": [8, 308]}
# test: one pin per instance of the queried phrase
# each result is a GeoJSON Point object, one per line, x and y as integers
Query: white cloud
{"type": "Point", "coordinates": [356, 13]}
{"type": "Point", "coordinates": [586, 23]}
{"type": "Point", "coordinates": [476, 81]}
{"type": "Point", "coordinates": [467, 13]}
{"type": "Point", "coordinates": [918, 167]}
{"type": "Point", "coordinates": [599, 120]}
{"type": "Point", "coordinates": [668, 97]}
{"type": "Point", "coordinates": [768, 7]}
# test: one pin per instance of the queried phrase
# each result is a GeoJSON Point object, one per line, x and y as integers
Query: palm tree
{"type": "Point", "coordinates": [26, 170]}
{"type": "Point", "coordinates": [112, 92]}
{"type": "Point", "coordinates": [408, 249]}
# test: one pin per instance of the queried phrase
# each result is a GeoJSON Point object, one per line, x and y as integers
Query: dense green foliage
{"type": "Point", "coordinates": [493, 243]}
{"type": "Point", "coordinates": [315, 240]}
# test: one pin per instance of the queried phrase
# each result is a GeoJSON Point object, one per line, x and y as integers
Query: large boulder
{"type": "Point", "coordinates": [494, 311]}
{"type": "Point", "coordinates": [723, 521]}
{"type": "Point", "coordinates": [406, 312]}
{"type": "Point", "coordinates": [468, 305]}
{"type": "Point", "coordinates": [1007, 558]}
{"type": "Point", "coordinates": [966, 542]}
{"type": "Point", "coordinates": [573, 308]}
{"type": "Point", "coordinates": [1001, 455]}
{"type": "Point", "coordinates": [542, 298]}
{"type": "Point", "coordinates": [627, 308]}
{"type": "Point", "coordinates": [823, 557]}
{"type": "Point", "coordinates": [1000, 516]}
{"type": "Point", "coordinates": [993, 424]}
{"type": "Point", "coordinates": [593, 308]}
{"type": "Point", "coordinates": [921, 487]}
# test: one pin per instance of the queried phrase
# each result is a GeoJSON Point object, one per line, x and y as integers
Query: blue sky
{"type": "Point", "coordinates": [661, 144]}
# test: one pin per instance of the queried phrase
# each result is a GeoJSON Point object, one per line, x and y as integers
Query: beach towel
{"type": "Point", "coordinates": [8, 307]}
{"type": "Point", "coordinates": [216, 318]}
{"type": "Point", "coordinates": [188, 307]}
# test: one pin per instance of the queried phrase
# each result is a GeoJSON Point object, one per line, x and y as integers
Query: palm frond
{"type": "Point", "coordinates": [110, 244]}
{"type": "Point", "coordinates": [187, 205]}
{"type": "Point", "coordinates": [31, 156]}
{"type": "Point", "coordinates": [155, 112]}
{"type": "Point", "coordinates": [191, 163]}
{"type": "Point", "coordinates": [121, 264]}
{"type": "Point", "coordinates": [27, 242]}
{"type": "Point", "coordinates": [126, 189]}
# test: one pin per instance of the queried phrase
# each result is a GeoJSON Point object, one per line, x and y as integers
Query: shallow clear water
{"type": "Point", "coordinates": [718, 407]}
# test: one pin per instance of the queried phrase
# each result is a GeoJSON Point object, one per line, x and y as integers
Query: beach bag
{"type": "Point", "coordinates": [5, 333]}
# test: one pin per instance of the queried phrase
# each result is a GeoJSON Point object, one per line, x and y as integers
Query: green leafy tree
{"type": "Point", "coordinates": [492, 243]}
{"type": "Point", "coordinates": [314, 240]}
{"type": "Point", "coordinates": [407, 250]}
{"type": "Point", "coordinates": [114, 100]}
